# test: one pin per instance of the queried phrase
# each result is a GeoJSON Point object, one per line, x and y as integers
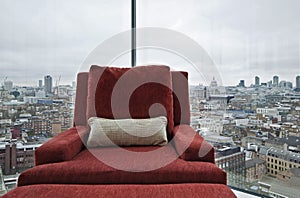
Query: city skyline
{"type": "Point", "coordinates": [41, 81]}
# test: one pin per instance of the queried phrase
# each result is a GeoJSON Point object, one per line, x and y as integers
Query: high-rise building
{"type": "Point", "coordinates": [256, 81]}
{"type": "Point", "coordinates": [242, 83]}
{"type": "Point", "coordinates": [275, 81]}
{"type": "Point", "coordinates": [8, 85]}
{"type": "Point", "coordinates": [286, 84]}
{"type": "Point", "coordinates": [269, 83]}
{"type": "Point", "coordinates": [40, 83]}
{"type": "Point", "coordinates": [298, 82]}
{"type": "Point", "coordinates": [74, 85]}
{"type": "Point", "coordinates": [48, 84]}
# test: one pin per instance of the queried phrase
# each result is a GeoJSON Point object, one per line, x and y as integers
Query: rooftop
{"type": "Point", "coordinates": [291, 140]}
{"type": "Point", "coordinates": [286, 155]}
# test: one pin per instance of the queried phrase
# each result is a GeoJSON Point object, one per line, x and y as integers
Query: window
{"type": "Point", "coordinates": [248, 48]}
{"type": "Point", "coordinates": [56, 36]}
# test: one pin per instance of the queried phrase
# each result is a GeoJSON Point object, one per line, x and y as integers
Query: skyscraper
{"type": "Point", "coordinates": [275, 81]}
{"type": "Point", "coordinates": [48, 84]}
{"type": "Point", "coordinates": [242, 83]}
{"type": "Point", "coordinates": [256, 81]}
{"type": "Point", "coordinates": [8, 85]}
{"type": "Point", "coordinates": [40, 83]}
{"type": "Point", "coordinates": [286, 84]}
{"type": "Point", "coordinates": [298, 82]}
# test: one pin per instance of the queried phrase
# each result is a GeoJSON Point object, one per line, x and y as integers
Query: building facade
{"type": "Point", "coordinates": [281, 160]}
{"type": "Point", "coordinates": [255, 169]}
{"type": "Point", "coordinates": [48, 84]}
{"type": "Point", "coordinates": [15, 157]}
{"type": "Point", "coordinates": [232, 160]}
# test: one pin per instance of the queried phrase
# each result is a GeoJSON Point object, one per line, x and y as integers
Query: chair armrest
{"type": "Point", "coordinates": [192, 146]}
{"type": "Point", "coordinates": [62, 147]}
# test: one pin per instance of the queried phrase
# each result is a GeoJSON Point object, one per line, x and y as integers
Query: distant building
{"type": "Point", "coordinates": [198, 92]}
{"type": "Point", "coordinates": [56, 127]}
{"type": "Point", "coordinates": [16, 157]}
{"type": "Point", "coordinates": [30, 100]}
{"type": "Point", "coordinates": [275, 81]}
{"type": "Point", "coordinates": [38, 125]}
{"type": "Point", "coordinates": [286, 84]}
{"type": "Point", "coordinates": [297, 84]}
{"type": "Point", "coordinates": [281, 160]}
{"type": "Point", "coordinates": [255, 169]}
{"type": "Point", "coordinates": [48, 84]}
{"type": "Point", "coordinates": [242, 83]}
{"type": "Point", "coordinates": [8, 85]}
{"type": "Point", "coordinates": [40, 83]}
{"type": "Point", "coordinates": [73, 84]}
{"type": "Point", "coordinates": [40, 94]}
{"type": "Point", "coordinates": [232, 160]}
{"type": "Point", "coordinates": [256, 81]}
{"type": "Point", "coordinates": [267, 112]}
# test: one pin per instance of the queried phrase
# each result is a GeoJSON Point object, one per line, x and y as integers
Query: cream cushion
{"type": "Point", "coordinates": [127, 132]}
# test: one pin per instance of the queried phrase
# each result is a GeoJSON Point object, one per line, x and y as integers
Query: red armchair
{"type": "Point", "coordinates": [188, 158]}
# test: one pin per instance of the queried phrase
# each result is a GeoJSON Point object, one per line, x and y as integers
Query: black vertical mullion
{"type": "Point", "coordinates": [133, 33]}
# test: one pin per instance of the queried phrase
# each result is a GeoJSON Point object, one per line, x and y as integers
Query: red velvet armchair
{"type": "Point", "coordinates": [187, 158]}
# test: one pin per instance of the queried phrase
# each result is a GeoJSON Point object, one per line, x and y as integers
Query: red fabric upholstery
{"type": "Point", "coordinates": [85, 168]}
{"type": "Point", "coordinates": [180, 92]}
{"type": "Point", "coordinates": [81, 97]}
{"type": "Point", "coordinates": [198, 150]}
{"type": "Point", "coordinates": [94, 75]}
{"type": "Point", "coordinates": [128, 191]}
{"type": "Point", "coordinates": [131, 92]}
{"type": "Point", "coordinates": [181, 98]}
{"type": "Point", "coordinates": [63, 147]}
{"type": "Point", "coordinates": [65, 160]}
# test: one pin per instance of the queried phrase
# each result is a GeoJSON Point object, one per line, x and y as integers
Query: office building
{"type": "Point", "coordinates": [8, 85]}
{"type": "Point", "coordinates": [298, 83]}
{"type": "Point", "coordinates": [40, 83]}
{"type": "Point", "coordinates": [48, 84]}
{"type": "Point", "coordinates": [242, 83]}
{"type": "Point", "coordinates": [286, 84]}
{"type": "Point", "coordinates": [256, 81]}
{"type": "Point", "coordinates": [275, 81]}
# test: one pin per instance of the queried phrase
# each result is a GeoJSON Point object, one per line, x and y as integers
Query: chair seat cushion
{"type": "Point", "coordinates": [85, 168]}
{"type": "Point", "coordinates": [116, 191]}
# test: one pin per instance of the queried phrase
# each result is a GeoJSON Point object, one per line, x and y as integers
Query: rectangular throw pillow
{"type": "Point", "coordinates": [127, 132]}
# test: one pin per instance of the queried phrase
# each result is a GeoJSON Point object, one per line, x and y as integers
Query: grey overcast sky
{"type": "Point", "coordinates": [244, 38]}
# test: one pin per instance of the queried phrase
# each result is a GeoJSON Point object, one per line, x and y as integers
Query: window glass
{"type": "Point", "coordinates": [54, 37]}
{"type": "Point", "coordinates": [255, 49]}
{"type": "Point", "coordinates": [44, 44]}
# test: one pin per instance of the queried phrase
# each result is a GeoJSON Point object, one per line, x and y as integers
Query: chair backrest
{"type": "Point", "coordinates": [181, 107]}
